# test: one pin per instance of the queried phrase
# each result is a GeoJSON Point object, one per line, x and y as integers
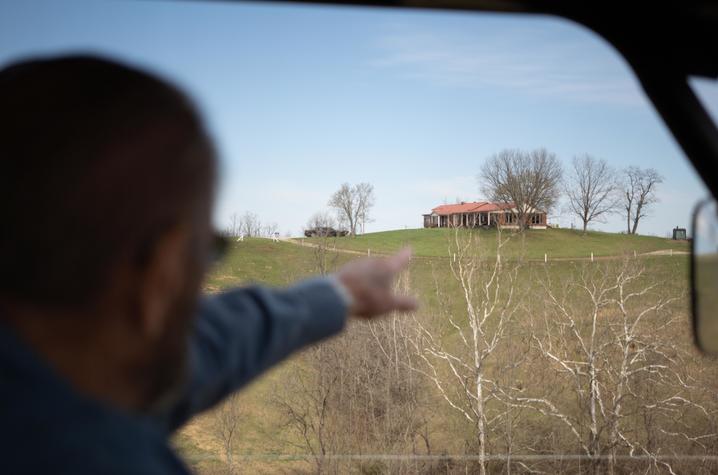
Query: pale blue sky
{"type": "Point", "coordinates": [303, 98]}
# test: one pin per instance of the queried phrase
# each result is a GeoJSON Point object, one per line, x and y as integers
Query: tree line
{"type": "Point", "coordinates": [535, 180]}
{"type": "Point", "coordinates": [532, 180]}
{"type": "Point", "coordinates": [249, 225]}
{"type": "Point", "coordinates": [351, 204]}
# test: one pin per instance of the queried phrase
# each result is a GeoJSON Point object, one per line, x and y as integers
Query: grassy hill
{"type": "Point", "coordinates": [557, 243]}
{"type": "Point", "coordinates": [264, 432]}
{"type": "Point", "coordinates": [261, 260]}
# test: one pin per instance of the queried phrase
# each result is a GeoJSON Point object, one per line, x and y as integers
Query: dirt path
{"type": "Point", "coordinates": [659, 253]}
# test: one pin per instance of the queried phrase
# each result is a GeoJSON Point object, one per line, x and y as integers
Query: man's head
{"type": "Point", "coordinates": [107, 181]}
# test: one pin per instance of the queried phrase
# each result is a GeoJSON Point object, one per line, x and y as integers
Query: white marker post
{"type": "Point", "coordinates": [545, 258]}
{"type": "Point", "coordinates": [591, 257]}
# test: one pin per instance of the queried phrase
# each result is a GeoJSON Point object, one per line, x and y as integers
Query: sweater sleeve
{"type": "Point", "coordinates": [243, 332]}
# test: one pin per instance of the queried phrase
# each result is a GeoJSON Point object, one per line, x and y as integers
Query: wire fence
{"type": "Point", "coordinates": [458, 457]}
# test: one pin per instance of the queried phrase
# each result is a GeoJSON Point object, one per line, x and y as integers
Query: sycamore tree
{"type": "Point", "coordinates": [469, 371]}
{"type": "Point", "coordinates": [615, 378]}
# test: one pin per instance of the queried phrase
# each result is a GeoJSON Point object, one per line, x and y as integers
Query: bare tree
{"type": "Point", "coordinates": [226, 421]}
{"type": "Point", "coordinates": [269, 229]}
{"type": "Point", "coordinates": [354, 393]}
{"type": "Point", "coordinates": [529, 180]}
{"type": "Point", "coordinates": [247, 224]}
{"type": "Point", "coordinates": [250, 225]}
{"type": "Point", "coordinates": [306, 400]}
{"type": "Point", "coordinates": [468, 374]}
{"type": "Point", "coordinates": [365, 201]}
{"type": "Point", "coordinates": [321, 219]}
{"type": "Point", "coordinates": [592, 189]}
{"type": "Point", "coordinates": [347, 397]}
{"type": "Point", "coordinates": [601, 331]}
{"type": "Point", "coordinates": [235, 225]}
{"type": "Point", "coordinates": [353, 205]}
{"type": "Point", "coordinates": [324, 246]}
{"type": "Point", "coordinates": [639, 193]}
{"type": "Point", "coordinates": [406, 422]}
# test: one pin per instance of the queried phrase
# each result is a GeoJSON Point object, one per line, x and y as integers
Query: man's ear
{"type": "Point", "coordinates": [162, 281]}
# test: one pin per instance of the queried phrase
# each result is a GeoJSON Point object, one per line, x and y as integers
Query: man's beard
{"type": "Point", "coordinates": [167, 374]}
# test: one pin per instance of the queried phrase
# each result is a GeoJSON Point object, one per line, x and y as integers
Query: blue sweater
{"type": "Point", "coordinates": [46, 427]}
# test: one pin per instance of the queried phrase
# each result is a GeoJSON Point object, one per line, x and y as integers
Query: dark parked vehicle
{"type": "Point", "coordinates": [325, 231]}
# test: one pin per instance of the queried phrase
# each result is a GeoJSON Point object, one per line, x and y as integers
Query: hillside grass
{"type": "Point", "coordinates": [556, 243]}
{"type": "Point", "coordinates": [262, 261]}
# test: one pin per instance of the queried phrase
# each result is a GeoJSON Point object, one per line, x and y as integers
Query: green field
{"type": "Point", "coordinates": [264, 431]}
{"type": "Point", "coordinates": [556, 243]}
{"type": "Point", "coordinates": [261, 260]}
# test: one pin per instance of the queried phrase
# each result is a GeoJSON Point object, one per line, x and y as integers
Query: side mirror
{"type": "Point", "coordinates": [704, 276]}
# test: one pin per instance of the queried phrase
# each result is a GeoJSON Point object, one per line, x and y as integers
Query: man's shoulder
{"type": "Point", "coordinates": [41, 436]}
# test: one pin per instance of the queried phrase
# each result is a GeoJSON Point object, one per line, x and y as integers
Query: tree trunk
{"type": "Point", "coordinates": [593, 401]}
{"type": "Point", "coordinates": [635, 224]}
{"type": "Point", "coordinates": [480, 425]}
{"type": "Point", "coordinates": [637, 216]}
{"type": "Point", "coordinates": [521, 221]}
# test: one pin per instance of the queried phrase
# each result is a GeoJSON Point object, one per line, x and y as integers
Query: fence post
{"type": "Point", "coordinates": [634, 253]}
{"type": "Point", "coordinates": [671, 252]}
{"type": "Point", "coordinates": [368, 252]}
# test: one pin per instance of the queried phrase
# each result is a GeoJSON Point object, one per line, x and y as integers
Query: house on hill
{"type": "Point", "coordinates": [481, 214]}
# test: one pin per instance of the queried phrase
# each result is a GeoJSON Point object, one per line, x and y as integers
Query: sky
{"type": "Point", "coordinates": [300, 99]}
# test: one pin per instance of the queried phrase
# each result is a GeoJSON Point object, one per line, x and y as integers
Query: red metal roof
{"type": "Point", "coordinates": [489, 206]}
{"type": "Point", "coordinates": [472, 207]}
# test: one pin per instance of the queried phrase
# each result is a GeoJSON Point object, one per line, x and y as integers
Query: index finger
{"type": "Point", "coordinates": [400, 260]}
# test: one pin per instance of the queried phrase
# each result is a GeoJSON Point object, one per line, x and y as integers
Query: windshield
{"type": "Point", "coordinates": [547, 206]}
